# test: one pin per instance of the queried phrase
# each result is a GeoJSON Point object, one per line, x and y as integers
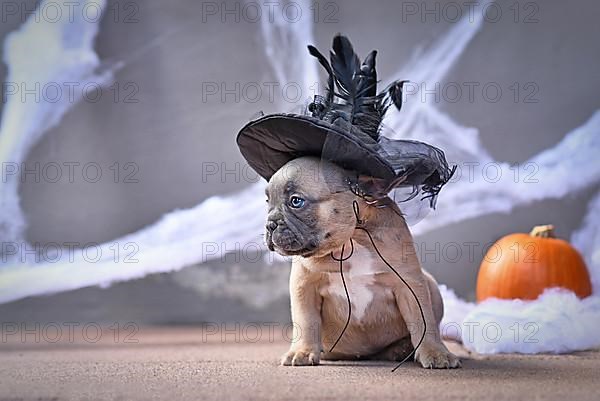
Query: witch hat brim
{"type": "Point", "coordinates": [270, 142]}
{"type": "Point", "coordinates": [345, 128]}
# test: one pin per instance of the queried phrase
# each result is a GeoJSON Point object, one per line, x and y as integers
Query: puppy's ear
{"type": "Point", "coordinates": [371, 187]}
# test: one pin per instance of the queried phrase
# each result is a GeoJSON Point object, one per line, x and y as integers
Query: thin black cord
{"type": "Point", "coordinates": [413, 294]}
{"type": "Point", "coordinates": [341, 260]}
{"type": "Point", "coordinates": [355, 208]}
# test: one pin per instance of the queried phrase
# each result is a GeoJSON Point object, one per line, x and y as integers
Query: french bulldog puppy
{"type": "Point", "coordinates": [311, 217]}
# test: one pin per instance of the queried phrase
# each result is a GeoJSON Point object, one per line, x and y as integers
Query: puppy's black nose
{"type": "Point", "coordinates": [271, 226]}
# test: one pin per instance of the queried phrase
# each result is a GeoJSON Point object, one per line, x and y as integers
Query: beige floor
{"type": "Point", "coordinates": [177, 363]}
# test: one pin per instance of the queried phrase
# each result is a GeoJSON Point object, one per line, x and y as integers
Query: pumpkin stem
{"type": "Point", "coordinates": [546, 231]}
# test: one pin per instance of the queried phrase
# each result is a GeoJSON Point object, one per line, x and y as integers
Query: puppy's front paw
{"type": "Point", "coordinates": [436, 357]}
{"type": "Point", "coordinates": [300, 358]}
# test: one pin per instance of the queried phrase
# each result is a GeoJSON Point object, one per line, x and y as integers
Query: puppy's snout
{"type": "Point", "coordinates": [271, 226]}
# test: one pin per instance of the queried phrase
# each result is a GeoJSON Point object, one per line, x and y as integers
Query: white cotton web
{"type": "Point", "coordinates": [455, 310]}
{"type": "Point", "coordinates": [179, 239]}
{"type": "Point", "coordinates": [285, 46]}
{"type": "Point", "coordinates": [587, 241]}
{"type": "Point", "coordinates": [556, 322]}
{"type": "Point", "coordinates": [64, 54]}
{"type": "Point", "coordinates": [480, 190]}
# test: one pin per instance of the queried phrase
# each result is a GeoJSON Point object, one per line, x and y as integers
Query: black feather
{"type": "Point", "coordinates": [346, 66]}
{"type": "Point", "coordinates": [390, 95]}
{"type": "Point", "coordinates": [352, 99]}
{"type": "Point", "coordinates": [356, 87]}
{"type": "Point", "coordinates": [317, 54]}
{"type": "Point", "coordinates": [395, 93]}
{"type": "Point", "coordinates": [367, 84]}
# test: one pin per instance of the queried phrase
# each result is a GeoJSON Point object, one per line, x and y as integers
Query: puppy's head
{"type": "Point", "coordinates": [310, 208]}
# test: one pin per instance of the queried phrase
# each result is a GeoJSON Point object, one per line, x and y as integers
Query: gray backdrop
{"type": "Point", "coordinates": [172, 132]}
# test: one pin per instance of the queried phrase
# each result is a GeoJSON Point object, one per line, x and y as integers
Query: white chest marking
{"type": "Point", "coordinates": [358, 277]}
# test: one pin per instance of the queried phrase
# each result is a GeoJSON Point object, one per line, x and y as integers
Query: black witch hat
{"type": "Point", "coordinates": [344, 127]}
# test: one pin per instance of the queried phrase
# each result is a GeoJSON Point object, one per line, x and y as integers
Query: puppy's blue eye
{"type": "Point", "coordinates": [296, 202]}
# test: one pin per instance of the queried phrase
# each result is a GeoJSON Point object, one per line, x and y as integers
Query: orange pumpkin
{"type": "Point", "coordinates": [524, 265]}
